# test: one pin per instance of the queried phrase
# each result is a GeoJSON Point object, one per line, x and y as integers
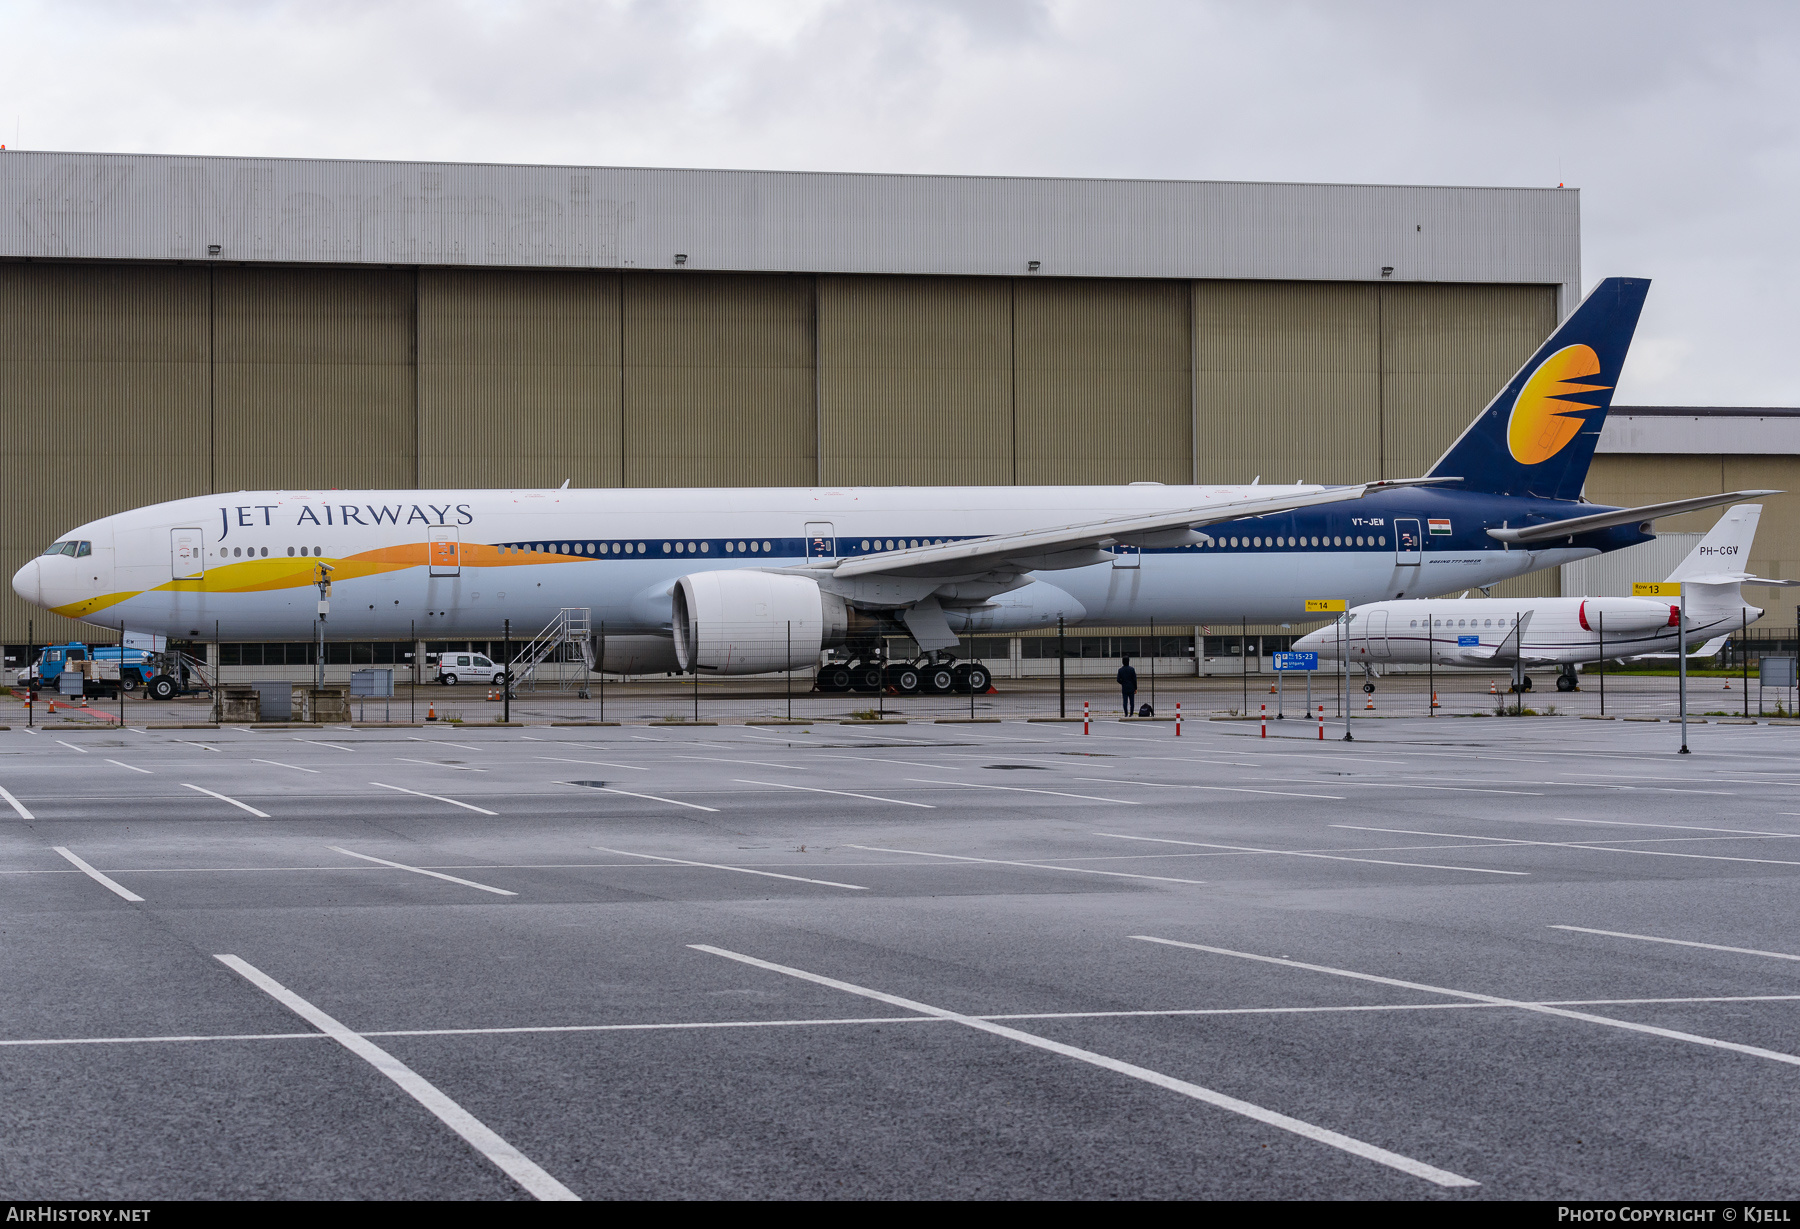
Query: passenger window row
{"type": "Point", "coordinates": [252, 552]}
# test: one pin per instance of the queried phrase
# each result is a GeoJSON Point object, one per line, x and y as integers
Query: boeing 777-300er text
{"type": "Point", "coordinates": [1519, 633]}
{"type": "Point", "coordinates": [740, 581]}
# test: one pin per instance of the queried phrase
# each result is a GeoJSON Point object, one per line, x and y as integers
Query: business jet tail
{"type": "Point", "coordinates": [1537, 436]}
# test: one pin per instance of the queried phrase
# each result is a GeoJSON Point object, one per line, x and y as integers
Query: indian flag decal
{"type": "Point", "coordinates": [1439, 524]}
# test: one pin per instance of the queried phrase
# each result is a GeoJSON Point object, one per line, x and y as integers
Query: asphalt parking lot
{"type": "Point", "coordinates": [1452, 959]}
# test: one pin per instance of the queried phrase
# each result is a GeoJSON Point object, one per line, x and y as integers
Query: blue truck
{"type": "Point", "coordinates": [107, 668]}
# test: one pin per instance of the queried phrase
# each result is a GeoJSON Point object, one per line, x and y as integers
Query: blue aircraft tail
{"type": "Point", "coordinates": [1537, 437]}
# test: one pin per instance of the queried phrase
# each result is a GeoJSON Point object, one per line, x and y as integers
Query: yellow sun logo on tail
{"type": "Point", "coordinates": [1544, 417]}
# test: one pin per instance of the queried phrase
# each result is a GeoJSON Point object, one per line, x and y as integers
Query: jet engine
{"type": "Point", "coordinates": [742, 621]}
{"type": "Point", "coordinates": [1627, 614]}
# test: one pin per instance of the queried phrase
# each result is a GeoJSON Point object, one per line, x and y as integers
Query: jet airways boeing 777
{"type": "Point", "coordinates": [739, 581]}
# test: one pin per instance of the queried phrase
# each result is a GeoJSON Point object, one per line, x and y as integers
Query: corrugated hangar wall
{"type": "Point", "coordinates": [126, 384]}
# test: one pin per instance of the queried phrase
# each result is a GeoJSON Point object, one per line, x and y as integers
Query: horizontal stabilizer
{"type": "Point", "coordinates": [1738, 578]}
{"type": "Point", "coordinates": [1551, 530]}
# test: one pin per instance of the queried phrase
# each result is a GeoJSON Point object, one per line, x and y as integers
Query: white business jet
{"type": "Point", "coordinates": [1519, 633]}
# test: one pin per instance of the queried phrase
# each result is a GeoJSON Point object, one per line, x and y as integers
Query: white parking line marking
{"type": "Point", "coordinates": [1294, 853]}
{"type": "Point", "coordinates": [73, 747]}
{"type": "Point", "coordinates": [1627, 823]}
{"type": "Point", "coordinates": [1356, 1147]}
{"type": "Point", "coordinates": [1459, 789]}
{"type": "Point", "coordinates": [1792, 1060]}
{"type": "Point", "coordinates": [438, 764]}
{"type": "Point", "coordinates": [16, 805]}
{"type": "Point", "coordinates": [1020, 789]}
{"type": "Point", "coordinates": [876, 759]}
{"type": "Point", "coordinates": [133, 767]}
{"type": "Point", "coordinates": [419, 870]}
{"type": "Point", "coordinates": [1591, 846]}
{"type": "Point", "coordinates": [1713, 947]}
{"type": "Point", "coordinates": [842, 793]}
{"type": "Point", "coordinates": [1229, 789]}
{"type": "Point", "coordinates": [719, 759]}
{"type": "Point", "coordinates": [442, 742]}
{"type": "Point", "coordinates": [742, 870]}
{"type": "Point", "coordinates": [511, 1161]}
{"type": "Point", "coordinates": [502, 1030]}
{"type": "Point", "coordinates": [188, 742]}
{"type": "Point", "coordinates": [1039, 866]}
{"type": "Point", "coordinates": [242, 806]}
{"type": "Point", "coordinates": [674, 802]}
{"type": "Point", "coordinates": [596, 763]}
{"type": "Point", "coordinates": [279, 764]}
{"type": "Point", "coordinates": [96, 876]}
{"type": "Point", "coordinates": [320, 742]}
{"type": "Point", "coordinates": [401, 789]}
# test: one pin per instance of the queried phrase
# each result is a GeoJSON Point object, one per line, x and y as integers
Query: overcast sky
{"type": "Point", "coordinates": [1678, 122]}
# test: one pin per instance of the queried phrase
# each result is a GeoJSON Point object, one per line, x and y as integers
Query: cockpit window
{"type": "Point", "coordinates": [83, 549]}
{"type": "Point", "coordinates": [75, 550]}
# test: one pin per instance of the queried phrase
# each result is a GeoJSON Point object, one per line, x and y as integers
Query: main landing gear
{"type": "Point", "coordinates": [935, 674]}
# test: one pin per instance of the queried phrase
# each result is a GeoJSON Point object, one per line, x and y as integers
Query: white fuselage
{"type": "Point", "coordinates": [1468, 632]}
{"type": "Point", "coordinates": [460, 564]}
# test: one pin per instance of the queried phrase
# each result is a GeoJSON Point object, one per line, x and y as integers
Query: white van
{"type": "Point", "coordinates": [454, 668]}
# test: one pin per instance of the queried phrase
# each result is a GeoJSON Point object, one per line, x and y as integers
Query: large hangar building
{"type": "Point", "coordinates": [172, 326]}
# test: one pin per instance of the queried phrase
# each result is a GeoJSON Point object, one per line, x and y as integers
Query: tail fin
{"type": "Point", "coordinates": [1537, 437]}
{"type": "Point", "coordinates": [1725, 550]}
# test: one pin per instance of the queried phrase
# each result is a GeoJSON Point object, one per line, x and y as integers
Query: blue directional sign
{"type": "Point", "coordinates": [1463, 642]}
{"type": "Point", "coordinates": [1296, 661]}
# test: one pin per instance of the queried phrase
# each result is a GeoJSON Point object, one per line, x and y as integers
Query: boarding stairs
{"type": "Point", "coordinates": [573, 625]}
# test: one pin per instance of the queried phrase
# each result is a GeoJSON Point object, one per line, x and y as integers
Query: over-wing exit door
{"type": "Point", "coordinates": [821, 543]}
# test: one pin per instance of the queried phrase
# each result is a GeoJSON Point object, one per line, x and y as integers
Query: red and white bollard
{"type": "Point", "coordinates": [1178, 719]}
{"type": "Point", "coordinates": [1265, 721]}
{"type": "Point", "coordinates": [1321, 723]}
{"type": "Point", "coordinates": [1084, 717]}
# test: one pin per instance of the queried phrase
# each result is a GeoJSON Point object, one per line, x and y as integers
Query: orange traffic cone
{"type": "Point", "coordinates": [1271, 689]}
{"type": "Point", "coordinates": [53, 706]}
{"type": "Point", "coordinates": [1434, 702]}
{"type": "Point", "coordinates": [1492, 690]}
{"type": "Point", "coordinates": [431, 712]}
{"type": "Point", "coordinates": [1370, 706]}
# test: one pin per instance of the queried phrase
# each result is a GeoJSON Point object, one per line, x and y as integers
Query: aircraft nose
{"type": "Point", "coordinates": [28, 583]}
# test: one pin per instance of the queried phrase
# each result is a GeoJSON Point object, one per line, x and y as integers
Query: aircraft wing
{"type": "Point", "coordinates": [1709, 649]}
{"type": "Point", "coordinates": [1551, 530]}
{"type": "Point", "coordinates": [1080, 545]}
{"type": "Point", "coordinates": [1508, 649]}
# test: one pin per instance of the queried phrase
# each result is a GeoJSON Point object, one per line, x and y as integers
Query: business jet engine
{"type": "Point", "coordinates": [1627, 614]}
{"type": "Point", "coordinates": [743, 621]}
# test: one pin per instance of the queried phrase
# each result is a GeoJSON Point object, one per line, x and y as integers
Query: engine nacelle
{"type": "Point", "coordinates": [1627, 614]}
{"type": "Point", "coordinates": [741, 621]}
{"type": "Point", "coordinates": [639, 655]}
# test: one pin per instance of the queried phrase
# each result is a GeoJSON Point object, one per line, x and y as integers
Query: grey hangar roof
{"type": "Point", "coordinates": [150, 207]}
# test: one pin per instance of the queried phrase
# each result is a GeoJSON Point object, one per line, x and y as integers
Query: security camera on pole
{"type": "Point", "coordinates": [324, 582]}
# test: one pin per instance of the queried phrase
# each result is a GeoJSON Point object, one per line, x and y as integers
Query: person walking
{"type": "Point", "coordinates": [1128, 683]}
